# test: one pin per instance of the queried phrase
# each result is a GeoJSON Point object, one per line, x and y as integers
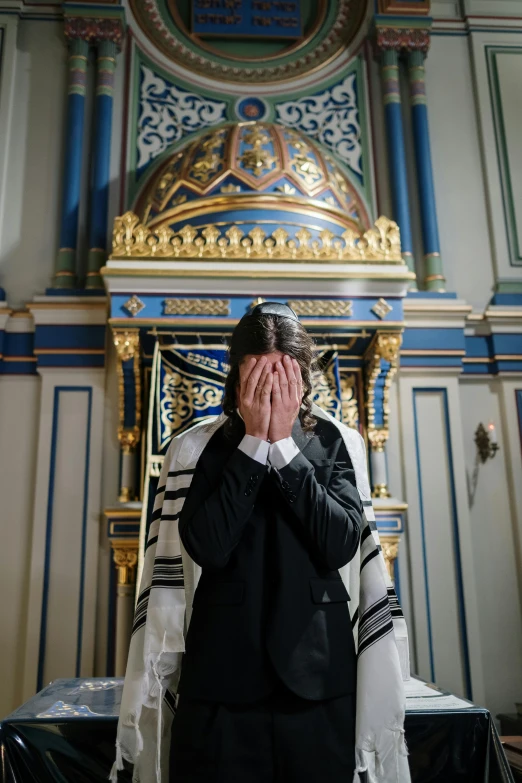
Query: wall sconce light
{"type": "Point", "coordinates": [486, 442]}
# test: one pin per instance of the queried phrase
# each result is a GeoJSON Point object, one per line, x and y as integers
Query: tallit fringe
{"type": "Point", "coordinates": [117, 766]}
{"type": "Point", "coordinates": [131, 722]}
{"type": "Point", "coordinates": [370, 763]}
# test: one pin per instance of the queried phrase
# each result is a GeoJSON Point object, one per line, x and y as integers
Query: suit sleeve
{"type": "Point", "coordinates": [213, 519]}
{"type": "Point", "coordinates": [331, 517]}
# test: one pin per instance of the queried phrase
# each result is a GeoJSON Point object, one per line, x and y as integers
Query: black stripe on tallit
{"type": "Point", "coordinates": [395, 606]}
{"type": "Point", "coordinates": [173, 584]}
{"type": "Point", "coordinates": [175, 494]}
{"type": "Point", "coordinates": [187, 472]}
{"type": "Point", "coordinates": [366, 532]}
{"type": "Point", "coordinates": [367, 503]}
{"type": "Point", "coordinates": [379, 634]}
{"type": "Point", "coordinates": [170, 701]}
{"type": "Point", "coordinates": [355, 617]}
{"type": "Point", "coordinates": [369, 557]}
{"type": "Point", "coordinates": [375, 623]}
{"type": "Point", "coordinates": [161, 489]}
{"type": "Point", "coordinates": [150, 542]}
{"type": "Point", "coordinates": [375, 613]}
{"type": "Point", "coordinates": [168, 572]}
{"type": "Point", "coordinates": [140, 615]}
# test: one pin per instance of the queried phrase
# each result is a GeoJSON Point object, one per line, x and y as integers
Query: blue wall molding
{"type": "Point", "coordinates": [443, 392]}
{"type": "Point", "coordinates": [49, 529]}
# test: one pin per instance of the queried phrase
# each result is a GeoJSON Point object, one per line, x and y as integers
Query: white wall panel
{"type": "Point", "coordinates": [457, 170]}
{"type": "Point", "coordinates": [444, 604]}
{"type": "Point", "coordinates": [495, 546]}
{"type": "Point", "coordinates": [63, 573]}
{"type": "Point", "coordinates": [66, 529]}
{"type": "Point", "coordinates": [495, 76]}
{"type": "Point", "coordinates": [31, 222]}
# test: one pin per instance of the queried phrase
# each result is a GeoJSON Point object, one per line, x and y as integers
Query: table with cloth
{"type": "Point", "coordinates": [67, 731]}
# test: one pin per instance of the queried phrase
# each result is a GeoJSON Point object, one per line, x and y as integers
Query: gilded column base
{"type": "Point", "coordinates": [380, 491]}
{"type": "Point", "coordinates": [126, 495]}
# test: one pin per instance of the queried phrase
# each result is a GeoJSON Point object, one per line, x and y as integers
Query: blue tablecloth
{"type": "Point", "coordinates": [66, 733]}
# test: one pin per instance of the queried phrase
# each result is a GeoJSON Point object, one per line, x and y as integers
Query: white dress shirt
{"type": "Point", "coordinates": [278, 454]}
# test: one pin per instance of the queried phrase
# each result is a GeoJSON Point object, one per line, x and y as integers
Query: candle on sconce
{"type": "Point", "coordinates": [492, 433]}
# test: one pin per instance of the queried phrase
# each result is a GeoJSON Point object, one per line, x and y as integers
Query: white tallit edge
{"type": "Point", "coordinates": [155, 654]}
{"type": "Point", "coordinates": [381, 701]}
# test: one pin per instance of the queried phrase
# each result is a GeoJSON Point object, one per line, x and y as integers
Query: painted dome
{"type": "Point", "coordinates": [248, 176]}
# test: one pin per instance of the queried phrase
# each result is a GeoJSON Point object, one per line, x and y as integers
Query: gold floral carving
{"type": "Point", "coordinates": [331, 307]}
{"type": "Point", "coordinates": [197, 306]}
{"type": "Point", "coordinates": [257, 159]}
{"type": "Point", "coordinates": [381, 244]}
{"type": "Point", "coordinates": [303, 162]}
{"type": "Point", "coordinates": [205, 166]}
{"type": "Point", "coordinates": [127, 344]}
{"type": "Point", "coordinates": [385, 346]}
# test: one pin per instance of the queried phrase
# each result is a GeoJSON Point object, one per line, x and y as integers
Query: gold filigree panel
{"type": "Point", "coordinates": [197, 306]}
{"type": "Point", "coordinates": [330, 307]}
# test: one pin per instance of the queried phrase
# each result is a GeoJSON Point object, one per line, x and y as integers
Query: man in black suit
{"type": "Point", "coordinates": [267, 687]}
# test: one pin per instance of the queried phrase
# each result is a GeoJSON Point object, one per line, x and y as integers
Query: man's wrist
{"type": "Point", "coordinates": [260, 435]}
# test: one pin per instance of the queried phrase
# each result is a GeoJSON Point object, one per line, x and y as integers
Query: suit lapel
{"type": "Point", "coordinates": [302, 439]}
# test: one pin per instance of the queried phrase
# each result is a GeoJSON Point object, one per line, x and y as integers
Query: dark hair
{"type": "Point", "coordinates": [265, 334]}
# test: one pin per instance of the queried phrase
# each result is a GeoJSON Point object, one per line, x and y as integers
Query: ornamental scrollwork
{"type": "Point", "coordinates": [168, 112]}
{"type": "Point", "coordinates": [181, 397]}
{"type": "Point", "coordinates": [331, 117]}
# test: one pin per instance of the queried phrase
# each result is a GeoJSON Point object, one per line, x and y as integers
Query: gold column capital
{"type": "Point", "coordinates": [125, 558]}
{"type": "Point", "coordinates": [126, 342]}
{"type": "Point", "coordinates": [390, 551]}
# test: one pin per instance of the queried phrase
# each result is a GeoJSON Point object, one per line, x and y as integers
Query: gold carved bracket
{"type": "Point", "coordinates": [382, 361]}
{"type": "Point", "coordinates": [127, 344]}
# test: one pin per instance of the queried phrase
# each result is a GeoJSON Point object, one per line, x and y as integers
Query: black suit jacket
{"type": "Point", "coordinates": [270, 598]}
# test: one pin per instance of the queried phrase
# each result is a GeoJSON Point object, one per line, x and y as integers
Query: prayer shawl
{"type": "Point", "coordinates": [163, 612]}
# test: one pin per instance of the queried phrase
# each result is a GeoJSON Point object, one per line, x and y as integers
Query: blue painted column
{"type": "Point", "coordinates": [397, 152]}
{"type": "Point", "coordinates": [434, 278]}
{"type": "Point", "coordinates": [100, 172]}
{"type": "Point", "coordinates": [65, 266]}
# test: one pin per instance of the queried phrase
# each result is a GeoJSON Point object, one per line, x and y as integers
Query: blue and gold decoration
{"type": "Point", "coordinates": [397, 151]}
{"type": "Point", "coordinates": [333, 391]}
{"type": "Point", "coordinates": [253, 176]}
{"type": "Point", "coordinates": [190, 384]}
{"type": "Point", "coordinates": [434, 278]}
{"type": "Point", "coordinates": [65, 271]}
{"type": "Point", "coordinates": [105, 68]}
